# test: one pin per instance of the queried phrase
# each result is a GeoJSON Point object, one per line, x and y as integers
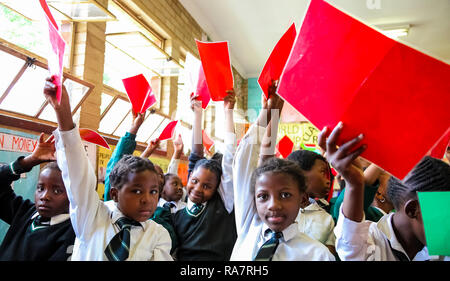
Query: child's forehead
{"type": "Point", "coordinates": [204, 174]}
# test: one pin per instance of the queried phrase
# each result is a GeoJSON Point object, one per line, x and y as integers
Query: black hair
{"type": "Point", "coordinates": [430, 174]}
{"type": "Point", "coordinates": [281, 166]}
{"type": "Point", "coordinates": [52, 166]}
{"type": "Point", "coordinates": [167, 176]}
{"type": "Point", "coordinates": [126, 165]}
{"type": "Point", "coordinates": [211, 165]}
{"type": "Point", "coordinates": [218, 157]}
{"type": "Point", "coordinates": [306, 159]}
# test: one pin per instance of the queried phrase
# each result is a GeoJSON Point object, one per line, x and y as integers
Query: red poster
{"type": "Point", "coordinates": [285, 146]}
{"type": "Point", "coordinates": [93, 137]}
{"type": "Point", "coordinates": [56, 61]}
{"type": "Point", "coordinates": [342, 70]}
{"type": "Point", "coordinates": [207, 141]}
{"type": "Point", "coordinates": [216, 64]}
{"type": "Point", "coordinates": [275, 64]}
{"type": "Point", "coordinates": [168, 131]}
{"type": "Point", "coordinates": [139, 93]}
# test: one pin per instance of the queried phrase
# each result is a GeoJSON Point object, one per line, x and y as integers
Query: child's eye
{"type": "Point", "coordinates": [285, 195]}
{"type": "Point", "coordinates": [262, 197]}
{"type": "Point", "coordinates": [137, 191]}
{"type": "Point", "coordinates": [58, 191]}
{"type": "Point", "coordinates": [205, 186]}
{"type": "Point", "coordinates": [194, 181]}
{"type": "Point", "coordinates": [40, 188]}
{"type": "Point", "coordinates": [153, 191]}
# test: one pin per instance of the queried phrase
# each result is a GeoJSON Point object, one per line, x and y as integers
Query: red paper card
{"type": "Point", "coordinates": [275, 64]}
{"type": "Point", "coordinates": [216, 64]}
{"type": "Point", "coordinates": [395, 95]}
{"type": "Point", "coordinates": [168, 131]}
{"type": "Point", "coordinates": [207, 141]}
{"type": "Point", "coordinates": [195, 82]}
{"type": "Point", "coordinates": [439, 149]}
{"type": "Point", "coordinates": [285, 146]}
{"type": "Point", "coordinates": [93, 137]}
{"type": "Point", "coordinates": [202, 88]}
{"type": "Point", "coordinates": [56, 61]}
{"type": "Point", "coordinates": [139, 93]}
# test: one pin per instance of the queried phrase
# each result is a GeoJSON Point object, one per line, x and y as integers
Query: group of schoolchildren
{"type": "Point", "coordinates": [244, 205]}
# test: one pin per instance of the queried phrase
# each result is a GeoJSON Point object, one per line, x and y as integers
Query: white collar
{"type": "Point", "coordinates": [385, 225]}
{"type": "Point", "coordinates": [55, 219]}
{"type": "Point", "coordinates": [190, 204]}
{"type": "Point", "coordinates": [117, 214]}
{"type": "Point", "coordinates": [288, 233]}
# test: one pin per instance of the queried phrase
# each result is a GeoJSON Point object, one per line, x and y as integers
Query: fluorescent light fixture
{"type": "Point", "coordinates": [395, 31]}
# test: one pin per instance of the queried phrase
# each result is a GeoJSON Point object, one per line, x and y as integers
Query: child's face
{"type": "Point", "coordinates": [201, 185]}
{"type": "Point", "coordinates": [318, 180]}
{"type": "Point", "coordinates": [138, 198]}
{"type": "Point", "coordinates": [278, 199]}
{"type": "Point", "coordinates": [50, 197]}
{"type": "Point", "coordinates": [173, 189]}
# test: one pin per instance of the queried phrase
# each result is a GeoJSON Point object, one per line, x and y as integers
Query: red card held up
{"type": "Point", "coordinates": [202, 88]}
{"type": "Point", "coordinates": [393, 94]}
{"type": "Point", "coordinates": [139, 93]}
{"type": "Point", "coordinates": [93, 137]}
{"type": "Point", "coordinates": [439, 149]}
{"type": "Point", "coordinates": [207, 141]}
{"type": "Point", "coordinates": [56, 60]}
{"type": "Point", "coordinates": [216, 64]}
{"type": "Point", "coordinates": [168, 131]}
{"type": "Point", "coordinates": [285, 146]}
{"type": "Point", "coordinates": [275, 64]}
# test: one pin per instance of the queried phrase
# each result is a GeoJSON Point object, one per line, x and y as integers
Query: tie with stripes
{"type": "Point", "coordinates": [168, 205]}
{"type": "Point", "coordinates": [267, 249]}
{"type": "Point", "coordinates": [196, 209]}
{"type": "Point", "coordinates": [118, 247]}
{"type": "Point", "coordinates": [39, 222]}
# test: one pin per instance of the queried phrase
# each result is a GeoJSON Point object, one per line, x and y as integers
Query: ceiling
{"type": "Point", "coordinates": [253, 27]}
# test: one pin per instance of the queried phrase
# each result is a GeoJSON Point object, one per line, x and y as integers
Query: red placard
{"type": "Point", "coordinates": [207, 141]}
{"type": "Point", "coordinates": [374, 84]}
{"type": "Point", "coordinates": [216, 64]}
{"type": "Point", "coordinates": [58, 45]}
{"type": "Point", "coordinates": [139, 93]}
{"type": "Point", "coordinates": [93, 137]}
{"type": "Point", "coordinates": [168, 131]}
{"type": "Point", "coordinates": [285, 146]}
{"type": "Point", "coordinates": [275, 64]}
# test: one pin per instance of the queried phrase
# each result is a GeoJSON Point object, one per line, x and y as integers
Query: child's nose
{"type": "Point", "coordinates": [45, 195]}
{"type": "Point", "coordinates": [274, 204]}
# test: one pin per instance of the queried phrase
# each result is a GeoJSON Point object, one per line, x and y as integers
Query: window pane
{"type": "Point", "coordinates": [80, 11]}
{"type": "Point", "coordinates": [48, 114]}
{"type": "Point", "coordinates": [147, 128]}
{"type": "Point", "coordinates": [113, 117]}
{"type": "Point", "coordinates": [124, 126]}
{"type": "Point", "coordinates": [76, 91]}
{"type": "Point", "coordinates": [106, 100]}
{"type": "Point", "coordinates": [27, 95]}
{"type": "Point", "coordinates": [10, 66]}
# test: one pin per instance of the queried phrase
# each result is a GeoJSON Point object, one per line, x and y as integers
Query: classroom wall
{"type": "Point", "coordinates": [254, 99]}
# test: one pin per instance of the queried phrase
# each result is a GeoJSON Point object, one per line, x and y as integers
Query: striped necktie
{"type": "Point", "coordinates": [267, 249]}
{"type": "Point", "coordinates": [168, 205]}
{"type": "Point", "coordinates": [39, 222]}
{"type": "Point", "coordinates": [196, 209]}
{"type": "Point", "coordinates": [118, 247]}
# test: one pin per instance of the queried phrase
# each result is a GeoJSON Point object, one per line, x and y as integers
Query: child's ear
{"type": "Point", "coordinates": [114, 193]}
{"type": "Point", "coordinates": [304, 200]}
{"type": "Point", "coordinates": [412, 208]}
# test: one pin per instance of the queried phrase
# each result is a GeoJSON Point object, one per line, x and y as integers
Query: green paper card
{"type": "Point", "coordinates": [436, 221]}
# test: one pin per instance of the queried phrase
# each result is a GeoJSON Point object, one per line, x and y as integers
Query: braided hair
{"type": "Point", "coordinates": [430, 174]}
{"type": "Point", "coordinates": [126, 165]}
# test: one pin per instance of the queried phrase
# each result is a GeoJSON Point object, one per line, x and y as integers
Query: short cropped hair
{"type": "Point", "coordinates": [211, 165]}
{"type": "Point", "coordinates": [52, 166]}
{"type": "Point", "coordinates": [305, 158]}
{"type": "Point", "coordinates": [430, 174]}
{"type": "Point", "coordinates": [128, 164]}
{"type": "Point", "coordinates": [281, 166]}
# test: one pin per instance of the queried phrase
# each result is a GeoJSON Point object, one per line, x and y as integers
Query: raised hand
{"type": "Point", "coordinates": [196, 104]}
{"type": "Point", "coordinates": [178, 144]}
{"type": "Point", "coordinates": [230, 100]}
{"type": "Point", "coordinates": [151, 147]}
{"type": "Point", "coordinates": [62, 108]}
{"type": "Point", "coordinates": [138, 119]}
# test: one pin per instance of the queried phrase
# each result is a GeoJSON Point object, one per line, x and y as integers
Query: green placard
{"type": "Point", "coordinates": [435, 207]}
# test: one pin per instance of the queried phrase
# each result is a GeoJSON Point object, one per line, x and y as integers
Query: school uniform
{"type": "Point", "coordinates": [252, 231]}
{"type": "Point", "coordinates": [29, 236]}
{"type": "Point", "coordinates": [371, 241]}
{"type": "Point", "coordinates": [210, 233]}
{"type": "Point", "coordinates": [94, 223]}
{"type": "Point", "coordinates": [174, 206]}
{"type": "Point", "coordinates": [316, 223]}
{"type": "Point", "coordinates": [173, 169]}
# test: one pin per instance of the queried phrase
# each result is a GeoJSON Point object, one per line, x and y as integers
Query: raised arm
{"type": "Point", "coordinates": [126, 145]}
{"type": "Point", "coordinates": [77, 172]}
{"type": "Point", "coordinates": [178, 147]}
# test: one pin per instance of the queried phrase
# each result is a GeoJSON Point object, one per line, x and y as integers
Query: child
{"type": "Point", "coordinates": [205, 227]}
{"type": "Point", "coordinates": [267, 202]}
{"type": "Point", "coordinates": [312, 219]}
{"type": "Point", "coordinates": [175, 162]}
{"type": "Point", "coordinates": [38, 231]}
{"type": "Point", "coordinates": [397, 236]}
{"type": "Point", "coordinates": [172, 193]}
{"type": "Point", "coordinates": [125, 233]}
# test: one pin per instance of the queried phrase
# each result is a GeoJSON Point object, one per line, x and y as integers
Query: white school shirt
{"type": "Point", "coordinates": [369, 241]}
{"type": "Point", "coordinates": [316, 223]}
{"type": "Point", "coordinates": [92, 220]}
{"type": "Point", "coordinates": [178, 205]}
{"type": "Point", "coordinates": [250, 228]}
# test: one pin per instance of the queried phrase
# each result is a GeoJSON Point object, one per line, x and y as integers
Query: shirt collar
{"type": "Point", "coordinates": [385, 225]}
{"type": "Point", "coordinates": [190, 204]}
{"type": "Point", "coordinates": [288, 233]}
{"type": "Point", "coordinates": [117, 214]}
{"type": "Point", "coordinates": [55, 219]}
